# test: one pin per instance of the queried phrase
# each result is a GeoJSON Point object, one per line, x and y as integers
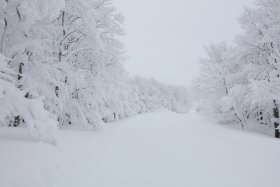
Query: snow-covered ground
{"type": "Point", "coordinates": [161, 149]}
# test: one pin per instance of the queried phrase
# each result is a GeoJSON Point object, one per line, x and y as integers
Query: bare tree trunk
{"type": "Point", "coordinates": [276, 120]}
{"type": "Point", "coordinates": [63, 32]}
{"type": "Point", "coordinates": [20, 71]}
{"type": "Point", "coordinates": [56, 90]}
{"type": "Point", "coordinates": [3, 35]}
{"type": "Point", "coordinates": [239, 119]}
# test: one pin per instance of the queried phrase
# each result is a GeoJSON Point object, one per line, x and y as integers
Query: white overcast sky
{"type": "Point", "coordinates": [165, 38]}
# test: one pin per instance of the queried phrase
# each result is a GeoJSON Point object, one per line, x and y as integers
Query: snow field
{"type": "Point", "coordinates": [157, 149]}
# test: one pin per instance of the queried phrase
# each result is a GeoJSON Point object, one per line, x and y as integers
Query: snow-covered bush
{"type": "Point", "coordinates": [18, 110]}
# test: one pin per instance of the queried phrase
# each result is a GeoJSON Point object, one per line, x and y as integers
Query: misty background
{"type": "Point", "coordinates": [165, 39]}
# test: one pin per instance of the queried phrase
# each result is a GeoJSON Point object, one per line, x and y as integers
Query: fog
{"type": "Point", "coordinates": [165, 39]}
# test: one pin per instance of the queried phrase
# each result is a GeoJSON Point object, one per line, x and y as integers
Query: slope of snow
{"type": "Point", "coordinates": [158, 149]}
{"type": "Point", "coordinates": [26, 163]}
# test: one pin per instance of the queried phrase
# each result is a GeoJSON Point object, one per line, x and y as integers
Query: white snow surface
{"type": "Point", "coordinates": [160, 149]}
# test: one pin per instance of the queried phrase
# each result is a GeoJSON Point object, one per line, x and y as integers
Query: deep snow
{"type": "Point", "coordinates": [161, 149]}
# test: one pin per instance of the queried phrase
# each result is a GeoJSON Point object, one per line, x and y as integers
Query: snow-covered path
{"type": "Point", "coordinates": [171, 150]}
{"type": "Point", "coordinates": [161, 149]}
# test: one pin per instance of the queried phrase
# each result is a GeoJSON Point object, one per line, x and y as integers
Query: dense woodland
{"type": "Point", "coordinates": [61, 67]}
{"type": "Point", "coordinates": [240, 83]}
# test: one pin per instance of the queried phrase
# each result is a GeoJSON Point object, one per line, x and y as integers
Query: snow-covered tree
{"type": "Point", "coordinates": [251, 91]}
{"type": "Point", "coordinates": [65, 62]}
{"type": "Point", "coordinates": [216, 83]}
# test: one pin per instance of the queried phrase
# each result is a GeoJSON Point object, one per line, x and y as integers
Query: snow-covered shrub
{"type": "Point", "coordinates": [18, 110]}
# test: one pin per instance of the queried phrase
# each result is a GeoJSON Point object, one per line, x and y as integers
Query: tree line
{"type": "Point", "coordinates": [61, 67]}
{"type": "Point", "coordinates": [240, 83]}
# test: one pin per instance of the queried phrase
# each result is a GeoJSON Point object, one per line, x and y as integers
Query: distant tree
{"type": "Point", "coordinates": [217, 81]}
